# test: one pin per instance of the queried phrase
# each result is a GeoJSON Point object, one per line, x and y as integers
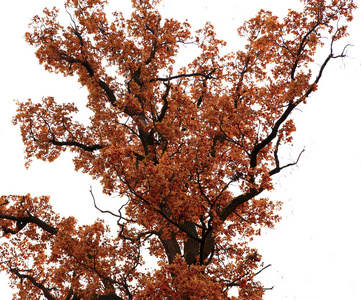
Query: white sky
{"type": "Point", "coordinates": [315, 250]}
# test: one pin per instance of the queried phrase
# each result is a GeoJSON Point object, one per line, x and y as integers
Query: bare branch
{"type": "Point", "coordinates": [102, 211]}
{"type": "Point", "coordinates": [262, 270]}
{"type": "Point", "coordinates": [277, 169]}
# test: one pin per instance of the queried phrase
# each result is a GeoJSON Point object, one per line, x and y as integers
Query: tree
{"type": "Point", "coordinates": [188, 151]}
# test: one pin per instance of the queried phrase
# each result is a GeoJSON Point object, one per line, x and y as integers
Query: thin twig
{"type": "Point", "coordinates": [102, 211]}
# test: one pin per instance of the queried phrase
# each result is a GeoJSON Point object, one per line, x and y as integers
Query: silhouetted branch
{"type": "Point", "coordinates": [278, 168]}
{"type": "Point", "coordinates": [207, 76]}
{"type": "Point", "coordinates": [22, 221]}
{"type": "Point", "coordinates": [102, 211]}
{"type": "Point", "coordinates": [84, 147]}
{"type": "Point", "coordinates": [237, 201]}
{"type": "Point", "coordinates": [39, 285]}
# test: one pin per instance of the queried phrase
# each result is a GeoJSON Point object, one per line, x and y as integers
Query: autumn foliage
{"type": "Point", "coordinates": [187, 149]}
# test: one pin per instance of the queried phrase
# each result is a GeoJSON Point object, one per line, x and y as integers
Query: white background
{"type": "Point", "coordinates": [315, 250]}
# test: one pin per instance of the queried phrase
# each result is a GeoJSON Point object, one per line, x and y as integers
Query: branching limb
{"type": "Point", "coordinates": [278, 168]}
{"type": "Point", "coordinates": [55, 142]}
{"type": "Point", "coordinates": [22, 221]}
{"type": "Point", "coordinates": [105, 87]}
{"type": "Point", "coordinates": [102, 211]}
{"type": "Point", "coordinates": [258, 147]}
{"type": "Point", "coordinates": [37, 284]}
{"type": "Point", "coordinates": [160, 211]}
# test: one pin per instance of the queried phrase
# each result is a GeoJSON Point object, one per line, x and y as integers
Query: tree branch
{"type": "Point", "coordinates": [237, 201]}
{"type": "Point", "coordinates": [277, 169]}
{"type": "Point", "coordinates": [76, 144]}
{"type": "Point", "coordinates": [31, 219]}
{"type": "Point", "coordinates": [301, 48]}
{"type": "Point", "coordinates": [258, 147]}
{"type": "Point", "coordinates": [165, 105]}
{"type": "Point", "coordinates": [207, 76]}
{"type": "Point", "coordinates": [108, 91]}
{"type": "Point", "coordinates": [102, 211]}
{"type": "Point", "coordinates": [39, 285]}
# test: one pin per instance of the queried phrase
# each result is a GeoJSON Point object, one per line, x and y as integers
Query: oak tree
{"type": "Point", "coordinates": [187, 150]}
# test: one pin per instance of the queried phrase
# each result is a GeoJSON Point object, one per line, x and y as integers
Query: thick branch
{"type": "Point", "coordinates": [237, 201]}
{"type": "Point", "coordinates": [39, 285]}
{"type": "Point", "coordinates": [162, 211]}
{"type": "Point", "coordinates": [191, 246]}
{"type": "Point", "coordinates": [31, 219]}
{"type": "Point", "coordinates": [257, 148]}
{"type": "Point", "coordinates": [171, 247]}
{"type": "Point", "coordinates": [72, 296]}
{"type": "Point", "coordinates": [84, 147]}
{"type": "Point", "coordinates": [165, 105]}
{"type": "Point", "coordinates": [108, 91]}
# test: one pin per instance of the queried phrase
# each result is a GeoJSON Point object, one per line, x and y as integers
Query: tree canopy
{"type": "Point", "coordinates": [187, 147]}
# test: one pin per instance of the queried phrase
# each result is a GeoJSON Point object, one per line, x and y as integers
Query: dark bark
{"type": "Point", "coordinates": [237, 201]}
{"type": "Point", "coordinates": [89, 148]}
{"type": "Point", "coordinates": [31, 219]}
{"type": "Point", "coordinates": [191, 246]}
{"type": "Point", "coordinates": [39, 285]}
{"type": "Point", "coordinates": [171, 247]}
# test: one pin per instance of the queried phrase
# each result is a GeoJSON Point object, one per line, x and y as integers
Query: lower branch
{"type": "Point", "coordinates": [39, 285]}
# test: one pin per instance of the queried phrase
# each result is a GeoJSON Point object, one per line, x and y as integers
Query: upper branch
{"type": "Point", "coordinates": [108, 91]}
{"type": "Point", "coordinates": [207, 76]}
{"type": "Point", "coordinates": [301, 48]}
{"type": "Point", "coordinates": [258, 147]}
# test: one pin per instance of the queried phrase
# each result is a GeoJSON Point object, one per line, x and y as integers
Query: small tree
{"type": "Point", "coordinates": [189, 151]}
